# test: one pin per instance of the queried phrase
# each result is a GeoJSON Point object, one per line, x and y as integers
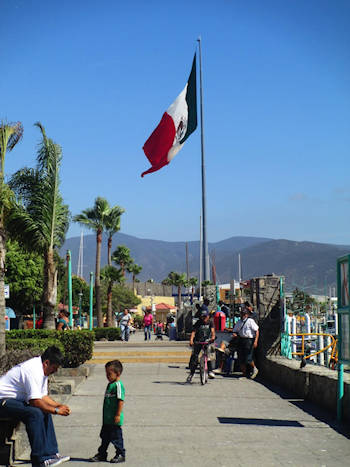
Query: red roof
{"type": "Point", "coordinates": [164, 306]}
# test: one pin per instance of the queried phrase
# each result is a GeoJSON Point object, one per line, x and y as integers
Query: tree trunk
{"type": "Point", "coordinates": [50, 290]}
{"type": "Point", "coordinates": [110, 320]}
{"type": "Point", "coordinates": [179, 294]}
{"type": "Point", "coordinates": [2, 289]}
{"type": "Point", "coordinates": [133, 283]}
{"type": "Point", "coordinates": [98, 279]}
{"type": "Point", "coordinates": [109, 251]}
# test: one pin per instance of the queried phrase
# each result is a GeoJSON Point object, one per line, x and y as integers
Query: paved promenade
{"type": "Point", "coordinates": [229, 422]}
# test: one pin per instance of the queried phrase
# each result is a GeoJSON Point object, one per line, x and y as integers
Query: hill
{"type": "Point", "coordinates": [308, 265]}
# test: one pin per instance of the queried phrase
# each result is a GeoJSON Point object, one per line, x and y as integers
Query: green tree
{"type": "Point", "coordinates": [121, 256]}
{"type": "Point", "coordinates": [10, 135]}
{"type": "Point", "coordinates": [123, 297]}
{"type": "Point", "coordinates": [40, 220]}
{"type": "Point", "coordinates": [24, 274]}
{"type": "Point", "coordinates": [94, 219]}
{"type": "Point", "coordinates": [134, 269]}
{"type": "Point", "coordinates": [110, 275]}
{"type": "Point", "coordinates": [112, 226]}
{"type": "Point", "coordinates": [177, 280]}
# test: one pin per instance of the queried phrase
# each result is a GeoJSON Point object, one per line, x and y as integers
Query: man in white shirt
{"type": "Point", "coordinates": [124, 325]}
{"type": "Point", "coordinates": [23, 396]}
{"type": "Point", "coordinates": [248, 332]}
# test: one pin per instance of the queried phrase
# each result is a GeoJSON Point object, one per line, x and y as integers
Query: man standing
{"type": "Point", "coordinates": [23, 396]}
{"type": "Point", "coordinates": [248, 332]}
{"type": "Point", "coordinates": [124, 325]}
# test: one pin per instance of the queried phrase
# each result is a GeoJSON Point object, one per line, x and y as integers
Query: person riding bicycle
{"type": "Point", "coordinates": [203, 331]}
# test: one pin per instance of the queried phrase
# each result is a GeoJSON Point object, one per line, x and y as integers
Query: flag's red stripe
{"type": "Point", "coordinates": [159, 143]}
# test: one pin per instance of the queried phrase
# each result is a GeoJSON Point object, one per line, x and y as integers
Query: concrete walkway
{"type": "Point", "coordinates": [229, 422]}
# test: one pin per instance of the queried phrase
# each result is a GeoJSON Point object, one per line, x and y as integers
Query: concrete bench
{"type": "Point", "coordinates": [13, 440]}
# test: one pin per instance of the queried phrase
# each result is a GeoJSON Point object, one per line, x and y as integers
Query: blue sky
{"type": "Point", "coordinates": [99, 74]}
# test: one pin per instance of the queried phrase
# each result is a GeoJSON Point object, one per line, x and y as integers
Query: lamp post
{"type": "Point", "coordinates": [80, 297]}
{"type": "Point", "coordinates": [91, 298]}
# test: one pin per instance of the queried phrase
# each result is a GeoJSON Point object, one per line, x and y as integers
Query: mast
{"type": "Point", "coordinates": [204, 211]}
{"type": "Point", "coordinates": [200, 257]}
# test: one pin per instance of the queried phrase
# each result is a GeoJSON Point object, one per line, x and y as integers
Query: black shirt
{"type": "Point", "coordinates": [202, 330]}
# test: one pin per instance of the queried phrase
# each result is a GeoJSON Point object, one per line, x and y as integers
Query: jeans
{"type": "Point", "coordinates": [194, 358]}
{"type": "Point", "coordinates": [111, 434]}
{"type": "Point", "coordinates": [148, 331]}
{"type": "Point", "coordinates": [39, 426]}
{"type": "Point", "coordinates": [125, 332]}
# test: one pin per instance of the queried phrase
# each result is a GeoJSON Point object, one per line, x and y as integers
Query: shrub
{"type": "Point", "coordinates": [32, 334]}
{"type": "Point", "coordinates": [78, 346]}
{"type": "Point", "coordinates": [111, 334]}
{"type": "Point", "coordinates": [36, 346]}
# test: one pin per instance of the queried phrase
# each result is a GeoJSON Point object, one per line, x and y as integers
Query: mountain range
{"type": "Point", "coordinates": [307, 265]}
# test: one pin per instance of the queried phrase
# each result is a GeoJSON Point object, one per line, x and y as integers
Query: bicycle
{"type": "Point", "coordinates": [203, 362]}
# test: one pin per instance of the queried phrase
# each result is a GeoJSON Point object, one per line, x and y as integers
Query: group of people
{"type": "Point", "coordinates": [244, 339]}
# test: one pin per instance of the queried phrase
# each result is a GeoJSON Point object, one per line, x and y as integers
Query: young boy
{"type": "Point", "coordinates": [202, 331]}
{"type": "Point", "coordinates": [113, 416]}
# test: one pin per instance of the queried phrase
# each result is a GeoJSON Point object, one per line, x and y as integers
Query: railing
{"type": "Point", "coordinates": [333, 359]}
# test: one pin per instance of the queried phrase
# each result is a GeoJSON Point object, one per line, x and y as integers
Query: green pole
{"type": "Point", "coordinates": [70, 300]}
{"type": "Point", "coordinates": [340, 392]}
{"type": "Point", "coordinates": [91, 297]}
{"type": "Point", "coordinates": [34, 318]}
{"type": "Point", "coordinates": [80, 296]}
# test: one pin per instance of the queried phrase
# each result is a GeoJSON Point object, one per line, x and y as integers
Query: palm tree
{"type": "Point", "coordinates": [94, 218]}
{"type": "Point", "coordinates": [177, 280]}
{"type": "Point", "coordinates": [134, 269]}
{"type": "Point", "coordinates": [121, 256]}
{"type": "Point", "coordinates": [110, 274]}
{"type": "Point", "coordinates": [112, 226]}
{"type": "Point", "coordinates": [10, 134]}
{"type": "Point", "coordinates": [40, 221]}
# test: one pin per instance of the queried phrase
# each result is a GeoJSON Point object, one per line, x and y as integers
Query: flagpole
{"type": "Point", "coordinates": [200, 257]}
{"type": "Point", "coordinates": [204, 211]}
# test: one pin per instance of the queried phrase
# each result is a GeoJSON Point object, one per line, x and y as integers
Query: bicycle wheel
{"type": "Point", "coordinates": [203, 370]}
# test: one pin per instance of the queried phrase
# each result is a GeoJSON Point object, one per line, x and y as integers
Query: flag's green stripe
{"type": "Point", "coordinates": [191, 99]}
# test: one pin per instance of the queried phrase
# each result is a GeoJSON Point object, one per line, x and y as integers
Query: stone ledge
{"type": "Point", "coordinates": [315, 383]}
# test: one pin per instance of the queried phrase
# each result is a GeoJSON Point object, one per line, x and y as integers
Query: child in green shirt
{"type": "Point", "coordinates": [113, 416]}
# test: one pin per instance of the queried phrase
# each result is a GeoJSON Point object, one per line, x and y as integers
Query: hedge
{"type": "Point", "coordinates": [37, 346]}
{"type": "Point", "coordinates": [110, 334]}
{"type": "Point", "coordinates": [77, 346]}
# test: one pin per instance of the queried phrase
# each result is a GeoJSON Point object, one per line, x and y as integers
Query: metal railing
{"type": "Point", "coordinates": [306, 354]}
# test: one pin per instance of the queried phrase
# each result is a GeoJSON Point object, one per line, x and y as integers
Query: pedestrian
{"type": "Point", "coordinates": [24, 396]}
{"type": "Point", "coordinates": [224, 308]}
{"type": "Point", "coordinates": [63, 321]}
{"type": "Point", "coordinates": [247, 331]}
{"type": "Point", "coordinates": [124, 325]}
{"type": "Point", "coordinates": [147, 323]}
{"type": "Point", "coordinates": [113, 416]}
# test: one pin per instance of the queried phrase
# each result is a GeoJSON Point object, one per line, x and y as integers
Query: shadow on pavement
{"type": "Point", "coordinates": [310, 408]}
{"type": "Point", "coordinates": [81, 459]}
{"type": "Point", "coordinates": [260, 422]}
{"type": "Point", "coordinates": [179, 383]}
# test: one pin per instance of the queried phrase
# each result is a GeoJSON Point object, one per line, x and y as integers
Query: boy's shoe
{"type": "Point", "coordinates": [63, 458]}
{"type": "Point", "coordinates": [54, 461]}
{"type": "Point", "coordinates": [98, 458]}
{"type": "Point", "coordinates": [218, 371]}
{"type": "Point", "coordinates": [189, 378]}
{"type": "Point", "coordinates": [211, 375]}
{"type": "Point", "coordinates": [254, 373]}
{"type": "Point", "coordinates": [117, 459]}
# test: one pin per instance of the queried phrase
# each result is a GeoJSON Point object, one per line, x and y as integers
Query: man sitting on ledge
{"type": "Point", "coordinates": [23, 396]}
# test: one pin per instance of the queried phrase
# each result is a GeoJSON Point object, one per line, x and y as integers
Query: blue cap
{"type": "Point", "coordinates": [204, 313]}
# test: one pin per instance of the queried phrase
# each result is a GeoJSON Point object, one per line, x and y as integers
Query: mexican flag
{"type": "Point", "coordinates": [176, 125]}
